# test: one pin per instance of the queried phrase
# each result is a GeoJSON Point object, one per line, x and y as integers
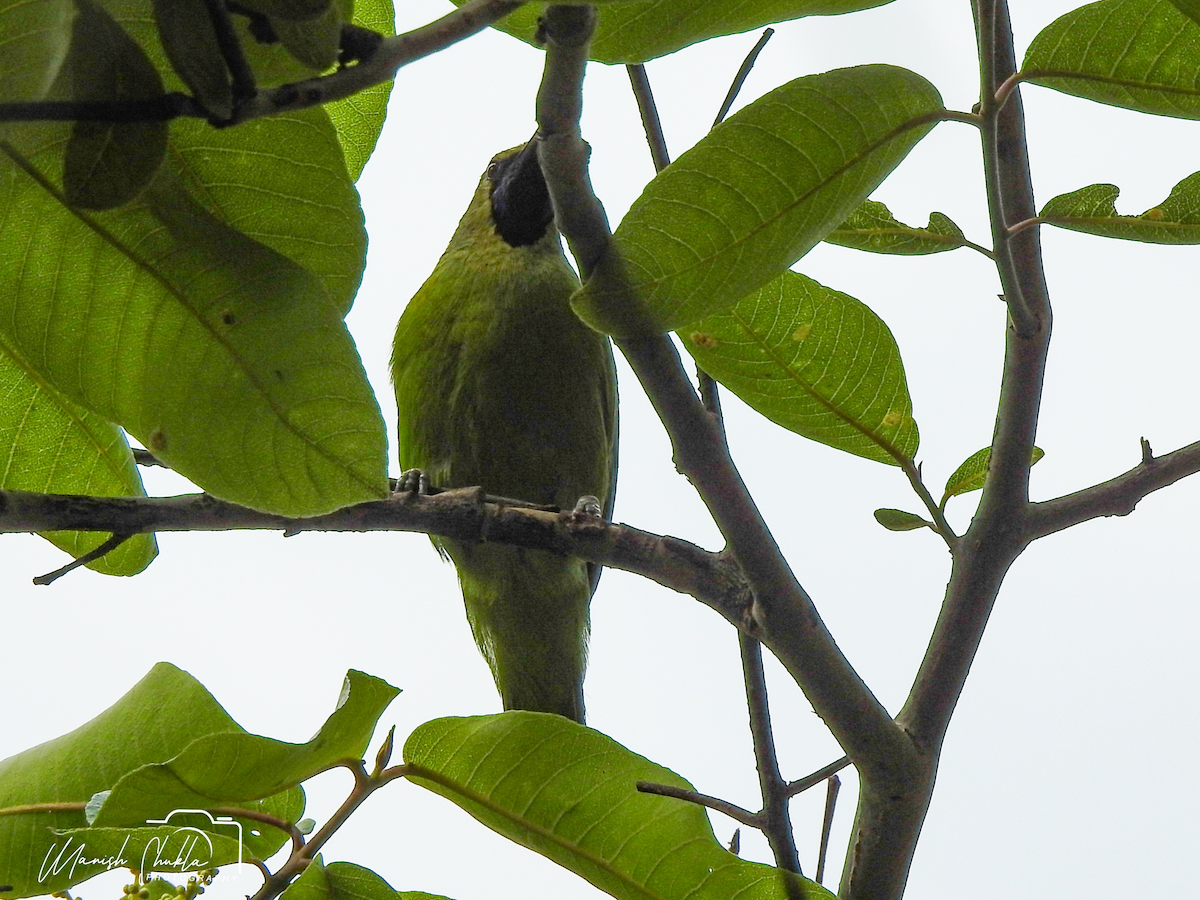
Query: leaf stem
{"type": "Point", "coordinates": [735, 812]}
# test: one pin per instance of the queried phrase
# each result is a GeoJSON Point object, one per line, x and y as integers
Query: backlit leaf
{"type": "Point", "coordinates": [1138, 54]}
{"type": "Point", "coordinates": [816, 361]}
{"type": "Point", "coordinates": [756, 194]}
{"type": "Point", "coordinates": [1093, 210]}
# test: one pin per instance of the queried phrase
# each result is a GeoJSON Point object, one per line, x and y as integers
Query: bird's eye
{"type": "Point", "coordinates": [492, 169]}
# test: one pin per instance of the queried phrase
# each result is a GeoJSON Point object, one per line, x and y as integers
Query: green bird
{"type": "Point", "coordinates": [500, 385]}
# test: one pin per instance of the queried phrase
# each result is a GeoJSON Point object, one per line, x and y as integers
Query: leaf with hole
{"type": "Point", "coordinates": [873, 228]}
{"type": "Point", "coordinates": [633, 32]}
{"type": "Point", "coordinates": [757, 193]}
{"type": "Point", "coordinates": [569, 793]}
{"type": "Point", "coordinates": [50, 445]}
{"type": "Point", "coordinates": [816, 361]}
{"type": "Point", "coordinates": [107, 164]}
{"type": "Point", "coordinates": [1138, 54]}
{"type": "Point", "coordinates": [972, 474]}
{"type": "Point", "coordinates": [1093, 210]}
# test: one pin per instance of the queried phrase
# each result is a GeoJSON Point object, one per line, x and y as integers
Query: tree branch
{"type": "Point", "coordinates": [466, 514]}
{"type": "Point", "coordinates": [887, 825]}
{"type": "Point", "coordinates": [1116, 497]}
{"type": "Point", "coordinates": [391, 54]}
{"type": "Point", "coordinates": [783, 616]}
{"type": "Point", "coordinates": [777, 823]}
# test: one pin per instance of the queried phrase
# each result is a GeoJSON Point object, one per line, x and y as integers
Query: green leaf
{"type": "Point", "coordinates": [107, 164]}
{"type": "Point", "coordinates": [638, 31]}
{"type": "Point", "coordinates": [1093, 210]}
{"type": "Point", "coordinates": [1138, 54]}
{"type": "Point", "coordinates": [359, 117]}
{"type": "Point", "coordinates": [235, 767]}
{"type": "Point", "coordinates": [36, 38]}
{"type": "Point", "coordinates": [899, 520]}
{"type": "Point", "coordinates": [570, 794]}
{"type": "Point", "coordinates": [1190, 8]}
{"type": "Point", "coordinates": [756, 194]}
{"type": "Point", "coordinates": [346, 881]}
{"type": "Point", "coordinates": [817, 362]}
{"type": "Point", "coordinates": [281, 180]}
{"type": "Point", "coordinates": [153, 722]}
{"type": "Point", "coordinates": [50, 445]}
{"type": "Point", "coordinates": [971, 475]}
{"type": "Point", "coordinates": [315, 42]}
{"type": "Point", "coordinates": [873, 228]}
{"type": "Point", "coordinates": [295, 10]}
{"type": "Point", "coordinates": [223, 357]}
{"type": "Point", "coordinates": [190, 42]}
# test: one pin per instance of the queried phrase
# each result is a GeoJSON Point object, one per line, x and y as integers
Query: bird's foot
{"type": "Point", "coordinates": [587, 505]}
{"type": "Point", "coordinates": [412, 481]}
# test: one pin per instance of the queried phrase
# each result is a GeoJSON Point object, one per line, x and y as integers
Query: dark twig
{"type": "Point", "coordinates": [835, 784]}
{"type": "Point", "coordinates": [463, 513]}
{"type": "Point", "coordinates": [1116, 497]}
{"type": "Point", "coordinates": [782, 615]}
{"type": "Point", "coordinates": [231, 51]}
{"type": "Point", "coordinates": [146, 458]}
{"type": "Point", "coordinates": [747, 818]}
{"type": "Point", "coordinates": [742, 74]}
{"type": "Point", "coordinates": [113, 542]}
{"type": "Point", "coordinates": [777, 824]}
{"type": "Point", "coordinates": [391, 54]}
{"type": "Point", "coordinates": [650, 120]}
{"type": "Point", "coordinates": [801, 785]}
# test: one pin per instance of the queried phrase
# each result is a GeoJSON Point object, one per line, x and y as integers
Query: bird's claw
{"type": "Point", "coordinates": [412, 481]}
{"type": "Point", "coordinates": [589, 506]}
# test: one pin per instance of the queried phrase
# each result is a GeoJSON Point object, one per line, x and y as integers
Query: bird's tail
{"type": "Point", "coordinates": [528, 610]}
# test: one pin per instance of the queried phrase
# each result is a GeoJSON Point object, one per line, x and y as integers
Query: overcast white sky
{"type": "Point", "coordinates": [1071, 761]}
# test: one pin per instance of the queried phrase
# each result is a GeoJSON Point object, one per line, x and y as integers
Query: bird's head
{"type": "Point", "coordinates": [520, 202]}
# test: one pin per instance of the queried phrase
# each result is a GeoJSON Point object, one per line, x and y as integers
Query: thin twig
{"type": "Point", "coordinates": [740, 78]}
{"type": "Point", "coordinates": [831, 796]}
{"type": "Point", "coordinates": [1116, 497]}
{"type": "Point", "coordinates": [777, 824]}
{"type": "Point", "coordinates": [113, 542]}
{"type": "Point", "coordinates": [801, 785]}
{"type": "Point", "coordinates": [941, 524]}
{"type": "Point", "coordinates": [649, 113]}
{"type": "Point", "coordinates": [392, 54]}
{"type": "Point", "coordinates": [735, 812]}
{"type": "Point", "coordinates": [255, 815]}
{"type": "Point", "coordinates": [243, 86]}
{"type": "Point", "coordinates": [462, 513]}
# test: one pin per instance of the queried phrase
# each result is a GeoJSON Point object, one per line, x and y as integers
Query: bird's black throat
{"type": "Point", "coordinates": [521, 205]}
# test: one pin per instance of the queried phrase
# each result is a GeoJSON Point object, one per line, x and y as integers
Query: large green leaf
{"type": "Point", "coordinates": [1138, 54]}
{"type": "Point", "coordinates": [346, 881]}
{"type": "Point", "coordinates": [359, 117]}
{"type": "Point", "coordinates": [50, 445]}
{"type": "Point", "coordinates": [222, 356]}
{"type": "Point", "coordinates": [154, 721]}
{"type": "Point", "coordinates": [756, 194]}
{"type": "Point", "coordinates": [36, 38]}
{"type": "Point", "coordinates": [1190, 8]}
{"type": "Point", "coordinates": [638, 31]}
{"type": "Point", "coordinates": [570, 794]}
{"type": "Point", "coordinates": [873, 228]}
{"type": "Point", "coordinates": [240, 766]}
{"type": "Point", "coordinates": [1093, 210]}
{"type": "Point", "coordinates": [817, 362]}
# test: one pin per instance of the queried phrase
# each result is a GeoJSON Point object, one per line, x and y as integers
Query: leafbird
{"type": "Point", "coordinates": [500, 385]}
